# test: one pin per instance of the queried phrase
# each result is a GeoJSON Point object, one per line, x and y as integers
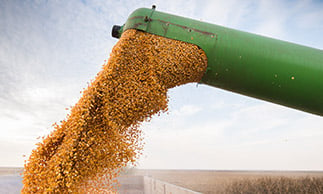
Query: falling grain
{"type": "Point", "coordinates": [101, 135]}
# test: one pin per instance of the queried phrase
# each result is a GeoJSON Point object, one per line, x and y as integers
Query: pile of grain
{"type": "Point", "coordinates": [101, 135]}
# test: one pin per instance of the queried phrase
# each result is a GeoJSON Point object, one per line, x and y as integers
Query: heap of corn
{"type": "Point", "coordinates": [101, 135]}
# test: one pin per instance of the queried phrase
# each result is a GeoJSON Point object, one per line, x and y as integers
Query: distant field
{"type": "Point", "coordinates": [209, 181]}
{"type": "Point", "coordinates": [10, 170]}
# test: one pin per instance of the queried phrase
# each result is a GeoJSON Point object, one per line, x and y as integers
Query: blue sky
{"type": "Point", "coordinates": [49, 50]}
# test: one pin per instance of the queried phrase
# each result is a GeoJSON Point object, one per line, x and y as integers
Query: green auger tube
{"type": "Point", "coordinates": [249, 64]}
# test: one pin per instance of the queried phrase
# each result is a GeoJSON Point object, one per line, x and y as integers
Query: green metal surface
{"type": "Point", "coordinates": [249, 64]}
